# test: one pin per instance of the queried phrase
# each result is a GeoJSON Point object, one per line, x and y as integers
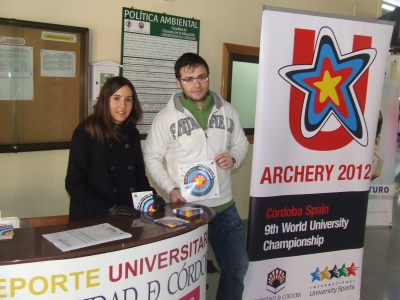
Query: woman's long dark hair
{"type": "Point", "coordinates": [100, 124]}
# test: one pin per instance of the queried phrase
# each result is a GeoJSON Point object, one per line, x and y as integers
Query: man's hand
{"type": "Point", "coordinates": [176, 197]}
{"type": "Point", "coordinates": [224, 161]}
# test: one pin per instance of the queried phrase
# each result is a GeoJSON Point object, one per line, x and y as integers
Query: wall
{"type": "Point", "coordinates": [32, 184]}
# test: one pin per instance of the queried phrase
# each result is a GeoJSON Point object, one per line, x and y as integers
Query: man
{"type": "Point", "coordinates": [197, 126]}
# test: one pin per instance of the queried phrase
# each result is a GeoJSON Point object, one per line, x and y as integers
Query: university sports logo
{"type": "Point", "coordinates": [328, 90]}
{"type": "Point", "coordinates": [335, 272]}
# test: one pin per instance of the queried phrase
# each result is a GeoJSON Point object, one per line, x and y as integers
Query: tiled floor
{"type": "Point", "coordinates": [381, 262]}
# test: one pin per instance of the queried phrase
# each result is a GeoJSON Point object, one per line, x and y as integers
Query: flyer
{"type": "Point", "coordinates": [85, 237]}
{"type": "Point", "coordinates": [199, 181]}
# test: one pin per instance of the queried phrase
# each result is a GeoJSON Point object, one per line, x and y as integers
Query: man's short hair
{"type": "Point", "coordinates": [191, 61]}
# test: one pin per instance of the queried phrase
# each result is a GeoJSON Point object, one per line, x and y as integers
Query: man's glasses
{"type": "Point", "coordinates": [191, 80]}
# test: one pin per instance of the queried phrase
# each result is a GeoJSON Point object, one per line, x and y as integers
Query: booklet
{"type": "Point", "coordinates": [85, 237]}
{"type": "Point", "coordinates": [171, 222]}
{"type": "Point", "coordinates": [143, 201]}
{"type": "Point", "coordinates": [6, 231]}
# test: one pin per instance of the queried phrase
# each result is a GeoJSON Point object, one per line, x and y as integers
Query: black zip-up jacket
{"type": "Point", "coordinates": [100, 176]}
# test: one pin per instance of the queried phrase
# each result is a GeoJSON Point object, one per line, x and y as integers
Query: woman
{"type": "Point", "coordinates": [105, 161]}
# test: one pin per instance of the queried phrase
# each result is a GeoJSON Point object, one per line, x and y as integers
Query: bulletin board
{"type": "Point", "coordinates": [43, 84]}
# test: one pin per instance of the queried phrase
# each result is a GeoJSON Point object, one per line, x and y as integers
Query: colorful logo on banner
{"type": "Point", "coordinates": [328, 93]}
{"type": "Point", "coordinates": [276, 280]}
{"type": "Point", "coordinates": [327, 274]}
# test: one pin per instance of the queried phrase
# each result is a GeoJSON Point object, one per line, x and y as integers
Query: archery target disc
{"type": "Point", "coordinates": [147, 205]}
{"type": "Point", "coordinates": [200, 180]}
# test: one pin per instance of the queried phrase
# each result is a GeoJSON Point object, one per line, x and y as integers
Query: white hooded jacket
{"type": "Point", "coordinates": [192, 144]}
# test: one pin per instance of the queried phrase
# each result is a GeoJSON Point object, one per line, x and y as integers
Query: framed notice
{"type": "Point", "coordinates": [43, 84]}
{"type": "Point", "coordinates": [21, 82]}
{"type": "Point", "coordinates": [151, 43]}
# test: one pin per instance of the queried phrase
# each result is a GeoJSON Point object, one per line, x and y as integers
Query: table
{"type": "Point", "coordinates": [156, 262]}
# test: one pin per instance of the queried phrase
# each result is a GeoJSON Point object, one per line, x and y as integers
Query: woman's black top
{"type": "Point", "coordinates": [100, 176]}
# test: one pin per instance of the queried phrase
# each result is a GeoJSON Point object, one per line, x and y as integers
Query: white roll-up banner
{"type": "Point", "coordinates": [318, 98]}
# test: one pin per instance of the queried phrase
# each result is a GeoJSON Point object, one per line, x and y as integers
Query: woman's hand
{"type": "Point", "coordinates": [158, 202]}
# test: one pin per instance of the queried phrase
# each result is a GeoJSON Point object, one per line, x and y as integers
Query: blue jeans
{"type": "Point", "coordinates": [227, 239]}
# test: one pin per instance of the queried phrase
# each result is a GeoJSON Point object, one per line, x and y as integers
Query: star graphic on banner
{"type": "Point", "coordinates": [316, 275]}
{"type": "Point", "coordinates": [328, 90]}
{"type": "Point", "coordinates": [334, 272]}
{"type": "Point", "coordinates": [325, 274]}
{"type": "Point", "coordinates": [351, 270]}
{"type": "Point", "coordinates": [342, 271]}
